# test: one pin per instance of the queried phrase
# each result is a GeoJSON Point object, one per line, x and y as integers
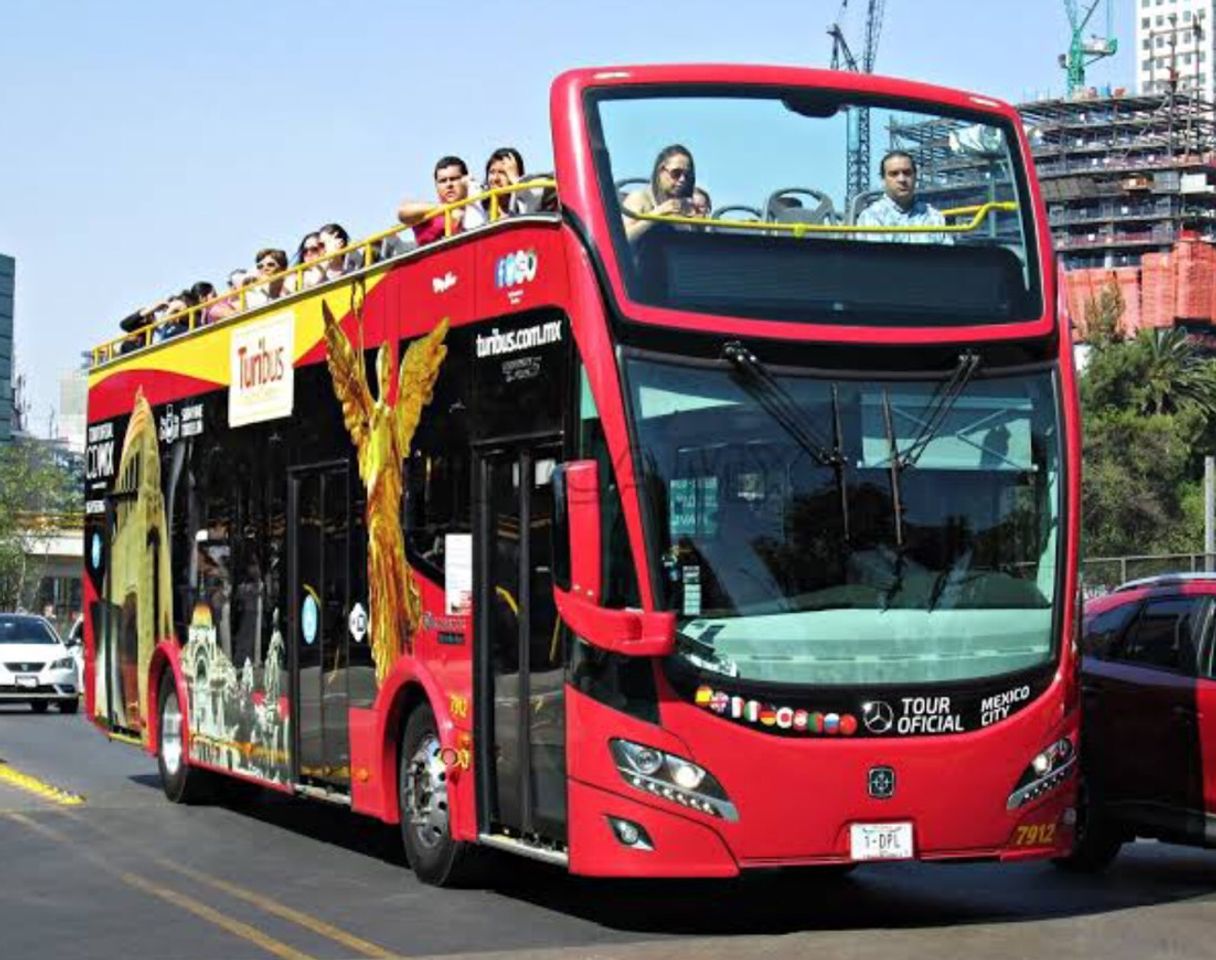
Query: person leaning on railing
{"type": "Point", "coordinates": [177, 318]}
{"type": "Point", "coordinates": [334, 238]}
{"type": "Point", "coordinates": [231, 304]}
{"type": "Point", "coordinates": [310, 251]}
{"type": "Point", "coordinates": [269, 262]}
{"type": "Point", "coordinates": [451, 186]}
{"type": "Point", "coordinates": [505, 168]}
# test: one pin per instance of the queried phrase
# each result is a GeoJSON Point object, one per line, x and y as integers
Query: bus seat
{"type": "Point", "coordinates": [787, 206]}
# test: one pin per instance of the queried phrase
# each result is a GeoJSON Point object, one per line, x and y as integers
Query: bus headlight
{"type": "Point", "coordinates": [1045, 772]}
{"type": "Point", "coordinates": [672, 778]}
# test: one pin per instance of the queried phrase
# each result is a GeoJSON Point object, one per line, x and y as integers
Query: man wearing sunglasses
{"type": "Point", "coordinates": [269, 262]}
{"type": "Point", "coordinates": [672, 182]}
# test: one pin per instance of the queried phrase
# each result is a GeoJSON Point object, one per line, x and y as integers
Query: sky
{"type": "Point", "coordinates": [146, 145]}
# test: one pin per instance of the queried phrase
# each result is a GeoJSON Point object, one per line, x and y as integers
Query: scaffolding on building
{"type": "Point", "coordinates": [1129, 182]}
{"type": "Point", "coordinates": [1124, 175]}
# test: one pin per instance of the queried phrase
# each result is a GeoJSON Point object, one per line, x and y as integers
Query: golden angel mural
{"type": "Point", "coordinates": [382, 433]}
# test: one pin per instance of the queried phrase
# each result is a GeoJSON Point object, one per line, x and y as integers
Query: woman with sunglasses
{"type": "Point", "coordinates": [672, 181]}
{"type": "Point", "coordinates": [333, 238]}
{"type": "Point", "coordinates": [309, 251]}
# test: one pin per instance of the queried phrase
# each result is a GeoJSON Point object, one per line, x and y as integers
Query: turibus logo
{"type": "Point", "coordinates": [262, 381]}
{"type": "Point", "coordinates": [516, 268]}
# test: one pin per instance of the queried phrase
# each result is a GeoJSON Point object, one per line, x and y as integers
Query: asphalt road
{"type": "Point", "coordinates": [125, 874]}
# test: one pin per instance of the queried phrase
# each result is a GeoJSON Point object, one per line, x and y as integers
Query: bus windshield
{"type": "Point", "coordinates": [816, 531]}
{"type": "Point", "coordinates": [737, 204]}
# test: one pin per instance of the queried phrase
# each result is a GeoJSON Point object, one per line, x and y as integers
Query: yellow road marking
{"type": "Point", "coordinates": [242, 930]}
{"type": "Point", "coordinates": [47, 791]}
{"type": "Point", "coordinates": [235, 927]}
{"type": "Point", "coordinates": [338, 935]}
{"type": "Point", "coordinates": [358, 944]}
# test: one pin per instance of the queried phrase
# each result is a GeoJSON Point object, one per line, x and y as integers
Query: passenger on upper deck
{"type": "Point", "coordinates": [333, 238]}
{"type": "Point", "coordinates": [672, 181]}
{"type": "Point", "coordinates": [269, 262]}
{"type": "Point", "coordinates": [451, 186]}
{"type": "Point", "coordinates": [505, 168]}
{"type": "Point", "coordinates": [231, 304]}
{"type": "Point", "coordinates": [899, 207]}
{"type": "Point", "coordinates": [177, 320]}
{"type": "Point", "coordinates": [700, 205]}
{"type": "Point", "coordinates": [309, 251]}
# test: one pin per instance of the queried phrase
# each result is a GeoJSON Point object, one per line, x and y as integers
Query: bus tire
{"type": "Point", "coordinates": [422, 791]}
{"type": "Point", "coordinates": [181, 782]}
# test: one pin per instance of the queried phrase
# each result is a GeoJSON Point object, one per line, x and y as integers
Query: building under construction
{"type": "Point", "coordinates": [1130, 186]}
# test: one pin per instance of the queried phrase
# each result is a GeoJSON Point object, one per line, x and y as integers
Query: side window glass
{"type": "Point", "coordinates": [1162, 636]}
{"type": "Point", "coordinates": [620, 577]}
{"type": "Point", "coordinates": [438, 470]}
{"type": "Point", "coordinates": [1102, 631]}
{"type": "Point", "coordinates": [1204, 634]}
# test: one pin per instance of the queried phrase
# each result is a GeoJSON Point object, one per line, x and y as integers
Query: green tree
{"type": "Point", "coordinates": [37, 491]}
{"type": "Point", "coordinates": [1175, 374]}
{"type": "Point", "coordinates": [1149, 410]}
{"type": "Point", "coordinates": [1139, 475]}
{"type": "Point", "coordinates": [1103, 321]}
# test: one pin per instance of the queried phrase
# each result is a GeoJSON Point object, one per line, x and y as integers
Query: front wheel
{"type": "Point", "coordinates": [181, 782]}
{"type": "Point", "coordinates": [426, 832]}
{"type": "Point", "coordinates": [69, 706]}
{"type": "Point", "coordinates": [39, 706]}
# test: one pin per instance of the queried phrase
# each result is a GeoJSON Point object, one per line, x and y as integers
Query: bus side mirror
{"type": "Point", "coordinates": [576, 529]}
{"type": "Point", "coordinates": [578, 575]}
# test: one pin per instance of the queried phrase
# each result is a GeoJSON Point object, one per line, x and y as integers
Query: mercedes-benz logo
{"type": "Point", "coordinates": [878, 716]}
{"type": "Point", "coordinates": [881, 783]}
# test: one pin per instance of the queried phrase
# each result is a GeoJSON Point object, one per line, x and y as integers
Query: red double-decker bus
{"type": "Point", "coordinates": [626, 535]}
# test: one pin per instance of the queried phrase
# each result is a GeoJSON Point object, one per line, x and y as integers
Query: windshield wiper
{"type": "Point", "coordinates": [702, 654]}
{"type": "Point", "coordinates": [940, 404]}
{"type": "Point", "coordinates": [775, 399]}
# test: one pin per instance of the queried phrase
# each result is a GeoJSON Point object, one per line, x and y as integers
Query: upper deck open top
{"type": "Point", "coordinates": [784, 253]}
{"type": "Point", "coordinates": [770, 145]}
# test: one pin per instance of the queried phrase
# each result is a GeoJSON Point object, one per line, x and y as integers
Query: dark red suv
{"type": "Point", "coordinates": [1149, 726]}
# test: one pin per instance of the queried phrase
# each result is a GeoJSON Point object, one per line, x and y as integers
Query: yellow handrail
{"type": "Point", "coordinates": [193, 315]}
{"type": "Point", "coordinates": [979, 213]}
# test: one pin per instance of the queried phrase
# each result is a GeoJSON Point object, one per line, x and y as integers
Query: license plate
{"type": "Point", "coordinates": [881, 841]}
{"type": "Point", "coordinates": [27, 681]}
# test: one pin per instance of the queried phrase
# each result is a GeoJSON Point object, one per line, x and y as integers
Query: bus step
{"type": "Point", "coordinates": [525, 849]}
{"type": "Point", "coordinates": [321, 793]}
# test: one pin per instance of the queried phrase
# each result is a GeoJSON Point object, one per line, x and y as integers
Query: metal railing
{"type": "Point", "coordinates": [1101, 575]}
{"type": "Point", "coordinates": [978, 213]}
{"type": "Point", "coordinates": [196, 316]}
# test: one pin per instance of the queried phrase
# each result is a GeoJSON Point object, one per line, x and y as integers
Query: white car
{"type": "Point", "coordinates": [35, 666]}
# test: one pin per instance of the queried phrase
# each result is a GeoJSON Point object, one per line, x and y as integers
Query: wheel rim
{"type": "Point", "coordinates": [425, 793]}
{"type": "Point", "coordinates": [171, 735]}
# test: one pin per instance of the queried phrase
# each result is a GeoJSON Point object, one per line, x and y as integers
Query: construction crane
{"type": "Point", "coordinates": [857, 163]}
{"type": "Point", "coordinates": [1082, 52]}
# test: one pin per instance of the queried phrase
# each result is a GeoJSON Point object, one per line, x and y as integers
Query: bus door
{"type": "Point", "coordinates": [520, 650]}
{"type": "Point", "coordinates": [115, 624]}
{"type": "Point", "coordinates": [319, 565]}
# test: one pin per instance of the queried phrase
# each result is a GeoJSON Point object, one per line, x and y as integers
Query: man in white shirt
{"type": "Point", "coordinates": [898, 207]}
